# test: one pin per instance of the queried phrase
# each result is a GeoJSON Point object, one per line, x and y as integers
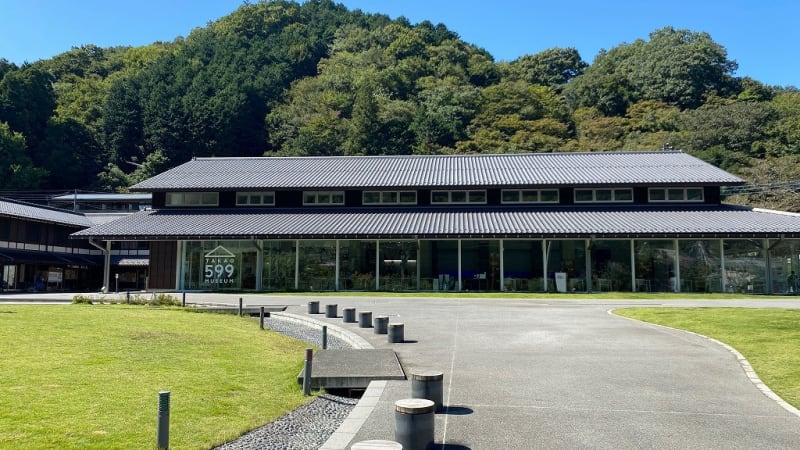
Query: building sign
{"type": "Point", "coordinates": [219, 267]}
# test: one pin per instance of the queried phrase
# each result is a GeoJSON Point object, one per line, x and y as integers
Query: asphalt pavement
{"type": "Point", "coordinates": [529, 374]}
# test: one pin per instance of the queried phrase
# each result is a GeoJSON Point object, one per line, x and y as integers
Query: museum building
{"type": "Point", "coordinates": [578, 222]}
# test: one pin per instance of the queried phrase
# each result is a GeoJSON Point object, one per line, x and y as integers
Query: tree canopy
{"type": "Point", "coordinates": [282, 78]}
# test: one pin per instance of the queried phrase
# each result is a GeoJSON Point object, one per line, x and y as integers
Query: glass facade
{"type": "Point", "coordinates": [279, 264]}
{"type": "Point", "coordinates": [747, 266]}
{"type": "Point", "coordinates": [357, 265]}
{"type": "Point", "coordinates": [317, 265]}
{"type": "Point", "coordinates": [611, 265]}
{"type": "Point", "coordinates": [219, 265]}
{"type": "Point", "coordinates": [655, 266]}
{"type": "Point", "coordinates": [700, 265]}
{"type": "Point", "coordinates": [398, 265]}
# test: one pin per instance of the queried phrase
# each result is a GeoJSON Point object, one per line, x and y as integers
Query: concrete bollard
{"type": "Point", "coordinates": [381, 324]}
{"type": "Point", "coordinates": [365, 319]}
{"type": "Point", "coordinates": [413, 423]}
{"type": "Point", "coordinates": [428, 385]}
{"type": "Point", "coordinates": [377, 445]}
{"type": "Point", "coordinates": [313, 307]}
{"type": "Point", "coordinates": [331, 311]}
{"type": "Point", "coordinates": [396, 333]}
{"type": "Point", "coordinates": [349, 315]}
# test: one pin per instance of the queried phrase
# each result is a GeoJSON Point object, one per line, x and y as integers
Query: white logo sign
{"type": "Point", "coordinates": [220, 265]}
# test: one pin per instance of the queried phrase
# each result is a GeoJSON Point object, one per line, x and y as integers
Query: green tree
{"type": "Point", "coordinates": [552, 67]}
{"type": "Point", "coordinates": [16, 168]}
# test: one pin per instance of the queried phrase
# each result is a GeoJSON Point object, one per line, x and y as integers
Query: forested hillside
{"type": "Point", "coordinates": [279, 78]}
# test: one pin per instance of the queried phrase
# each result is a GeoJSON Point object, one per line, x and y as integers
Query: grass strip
{"type": "Point", "coordinates": [79, 376]}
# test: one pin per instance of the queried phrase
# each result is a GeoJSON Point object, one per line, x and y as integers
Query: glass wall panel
{"type": "Point", "coordinates": [784, 266]}
{"type": "Point", "coordinates": [438, 265]}
{"type": "Point", "coordinates": [279, 260]}
{"type": "Point", "coordinates": [357, 265]}
{"type": "Point", "coordinates": [317, 265]}
{"type": "Point", "coordinates": [398, 265]}
{"type": "Point", "coordinates": [611, 265]}
{"type": "Point", "coordinates": [480, 265]}
{"type": "Point", "coordinates": [655, 266]}
{"type": "Point", "coordinates": [568, 257]}
{"type": "Point", "coordinates": [219, 265]}
{"type": "Point", "coordinates": [700, 266]}
{"type": "Point", "coordinates": [523, 266]}
{"type": "Point", "coordinates": [745, 266]}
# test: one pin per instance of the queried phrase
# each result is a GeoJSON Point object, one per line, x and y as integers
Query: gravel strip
{"type": "Point", "coordinates": [309, 426]}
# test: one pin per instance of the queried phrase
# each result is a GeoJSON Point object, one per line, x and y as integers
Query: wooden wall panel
{"type": "Point", "coordinates": [163, 260]}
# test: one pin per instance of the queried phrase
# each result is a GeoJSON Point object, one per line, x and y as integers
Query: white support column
{"type": "Point", "coordinates": [588, 261]}
{"type": "Point", "coordinates": [377, 265]}
{"type": "Point", "coordinates": [768, 269]}
{"type": "Point", "coordinates": [180, 262]}
{"type": "Point", "coordinates": [259, 264]}
{"type": "Point", "coordinates": [723, 272]}
{"type": "Point", "coordinates": [545, 257]}
{"type": "Point", "coordinates": [458, 288]}
{"type": "Point", "coordinates": [502, 267]}
{"type": "Point", "coordinates": [419, 268]}
{"type": "Point", "coordinates": [633, 268]}
{"type": "Point", "coordinates": [677, 266]}
{"type": "Point", "coordinates": [336, 278]}
{"type": "Point", "coordinates": [297, 264]}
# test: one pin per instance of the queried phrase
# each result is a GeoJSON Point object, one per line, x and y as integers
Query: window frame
{"type": "Point", "coordinates": [521, 195]}
{"type": "Point", "coordinates": [381, 195]}
{"type": "Point", "coordinates": [318, 194]}
{"type": "Point", "coordinates": [169, 199]}
{"type": "Point", "coordinates": [466, 193]}
{"type": "Point", "coordinates": [249, 195]}
{"type": "Point", "coordinates": [613, 191]}
{"type": "Point", "coordinates": [666, 194]}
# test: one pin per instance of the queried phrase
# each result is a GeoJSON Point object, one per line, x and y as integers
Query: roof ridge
{"type": "Point", "coordinates": [464, 155]}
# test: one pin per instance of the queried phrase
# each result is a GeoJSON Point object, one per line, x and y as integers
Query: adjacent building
{"type": "Point", "coordinates": [609, 221]}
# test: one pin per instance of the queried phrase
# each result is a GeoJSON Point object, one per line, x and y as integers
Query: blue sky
{"type": "Point", "coordinates": [762, 36]}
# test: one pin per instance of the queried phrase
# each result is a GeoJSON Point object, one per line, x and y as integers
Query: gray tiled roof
{"type": "Point", "coordinates": [719, 221]}
{"type": "Point", "coordinates": [542, 169]}
{"type": "Point", "coordinates": [21, 210]}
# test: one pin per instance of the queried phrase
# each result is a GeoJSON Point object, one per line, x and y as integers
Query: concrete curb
{"type": "Point", "coordinates": [748, 369]}
{"type": "Point", "coordinates": [341, 438]}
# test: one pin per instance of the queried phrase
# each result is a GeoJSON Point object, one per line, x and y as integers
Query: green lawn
{"type": "Point", "coordinates": [768, 338]}
{"type": "Point", "coordinates": [88, 377]}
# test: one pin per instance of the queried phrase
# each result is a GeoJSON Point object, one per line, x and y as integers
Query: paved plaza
{"type": "Point", "coordinates": [521, 374]}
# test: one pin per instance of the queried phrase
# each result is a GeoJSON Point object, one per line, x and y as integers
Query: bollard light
{"type": "Point", "coordinates": [324, 337]}
{"type": "Point", "coordinates": [162, 438]}
{"type": "Point", "coordinates": [261, 318]}
{"type": "Point", "coordinates": [307, 372]}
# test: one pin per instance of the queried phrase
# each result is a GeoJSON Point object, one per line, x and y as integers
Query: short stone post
{"type": "Point", "coordinates": [365, 319]}
{"type": "Point", "coordinates": [381, 324]}
{"type": "Point", "coordinates": [331, 311]}
{"type": "Point", "coordinates": [396, 333]}
{"type": "Point", "coordinates": [428, 385]}
{"type": "Point", "coordinates": [413, 423]}
{"type": "Point", "coordinates": [349, 315]}
{"type": "Point", "coordinates": [313, 307]}
{"type": "Point", "coordinates": [377, 445]}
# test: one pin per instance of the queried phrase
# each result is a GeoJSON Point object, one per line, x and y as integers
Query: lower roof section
{"type": "Point", "coordinates": [435, 222]}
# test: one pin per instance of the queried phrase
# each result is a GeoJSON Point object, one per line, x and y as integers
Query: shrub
{"type": "Point", "coordinates": [82, 299]}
